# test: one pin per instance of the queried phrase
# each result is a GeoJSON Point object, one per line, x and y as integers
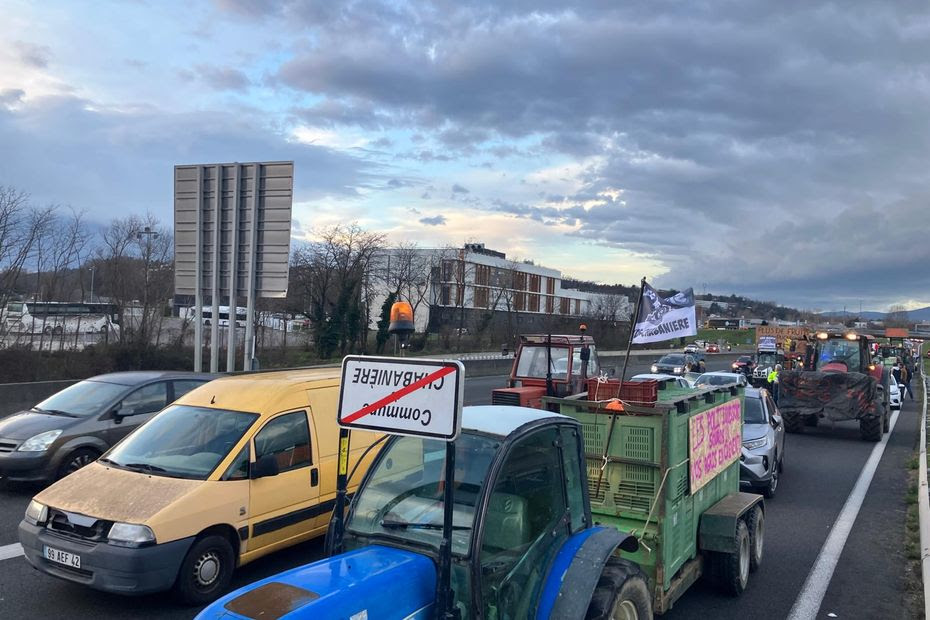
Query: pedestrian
{"type": "Point", "coordinates": [773, 381]}
{"type": "Point", "coordinates": [907, 371]}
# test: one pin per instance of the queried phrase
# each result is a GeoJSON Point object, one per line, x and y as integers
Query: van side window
{"type": "Point", "coordinates": [287, 437]}
{"type": "Point", "coordinates": [239, 468]}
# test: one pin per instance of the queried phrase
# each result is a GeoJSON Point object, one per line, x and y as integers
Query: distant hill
{"type": "Point", "coordinates": [921, 314]}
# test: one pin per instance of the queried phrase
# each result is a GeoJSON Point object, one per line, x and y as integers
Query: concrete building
{"type": "Point", "coordinates": [445, 285]}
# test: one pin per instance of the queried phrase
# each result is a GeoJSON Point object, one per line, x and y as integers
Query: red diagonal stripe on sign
{"type": "Point", "coordinates": [394, 396]}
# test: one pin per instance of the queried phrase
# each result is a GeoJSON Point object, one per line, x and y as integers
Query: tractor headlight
{"type": "Point", "coordinates": [756, 443]}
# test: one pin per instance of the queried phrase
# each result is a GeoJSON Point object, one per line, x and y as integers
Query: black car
{"type": "Point", "coordinates": [76, 425]}
{"type": "Point", "coordinates": [675, 364]}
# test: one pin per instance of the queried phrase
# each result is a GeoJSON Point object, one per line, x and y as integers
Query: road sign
{"type": "Point", "coordinates": [402, 396]}
{"type": "Point", "coordinates": [232, 236]}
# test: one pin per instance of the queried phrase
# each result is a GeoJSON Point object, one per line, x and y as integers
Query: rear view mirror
{"type": "Point", "coordinates": [266, 465]}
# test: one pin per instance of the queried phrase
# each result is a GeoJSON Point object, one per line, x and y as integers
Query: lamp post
{"type": "Point", "coordinates": [149, 235]}
{"type": "Point", "coordinates": [93, 270]}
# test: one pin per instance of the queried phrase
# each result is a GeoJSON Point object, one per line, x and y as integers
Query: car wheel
{"type": "Point", "coordinates": [206, 570]}
{"type": "Point", "coordinates": [76, 460]}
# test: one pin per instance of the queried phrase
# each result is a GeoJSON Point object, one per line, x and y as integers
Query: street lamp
{"type": "Point", "coordinates": [149, 235]}
{"type": "Point", "coordinates": [147, 232]}
{"type": "Point", "coordinates": [93, 270]}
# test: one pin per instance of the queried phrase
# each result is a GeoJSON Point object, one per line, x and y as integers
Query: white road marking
{"type": "Point", "coordinates": [818, 580]}
{"type": "Point", "coordinates": [11, 551]}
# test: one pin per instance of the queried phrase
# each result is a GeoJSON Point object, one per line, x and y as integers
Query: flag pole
{"type": "Point", "coordinates": [626, 360]}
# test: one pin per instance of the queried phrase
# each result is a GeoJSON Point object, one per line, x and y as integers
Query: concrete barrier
{"type": "Point", "coordinates": [18, 396]}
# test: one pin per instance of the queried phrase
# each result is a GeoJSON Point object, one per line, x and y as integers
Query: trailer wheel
{"type": "Point", "coordinates": [870, 427]}
{"type": "Point", "coordinates": [886, 421]}
{"type": "Point", "coordinates": [621, 594]}
{"type": "Point", "coordinates": [756, 523]}
{"type": "Point", "coordinates": [733, 568]}
{"type": "Point", "coordinates": [811, 421]}
{"type": "Point", "coordinates": [793, 423]}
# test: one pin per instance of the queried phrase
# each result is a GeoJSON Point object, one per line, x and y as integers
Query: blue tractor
{"type": "Point", "coordinates": [523, 543]}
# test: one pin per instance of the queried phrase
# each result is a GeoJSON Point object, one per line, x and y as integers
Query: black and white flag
{"type": "Point", "coordinates": [663, 319]}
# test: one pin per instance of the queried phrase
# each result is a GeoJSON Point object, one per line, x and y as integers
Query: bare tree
{"type": "Point", "coordinates": [897, 316]}
{"type": "Point", "coordinates": [334, 275]}
{"type": "Point", "coordinates": [21, 226]}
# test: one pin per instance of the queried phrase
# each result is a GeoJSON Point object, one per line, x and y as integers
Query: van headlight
{"type": "Point", "coordinates": [756, 443]}
{"type": "Point", "coordinates": [36, 513]}
{"type": "Point", "coordinates": [40, 442]}
{"type": "Point", "coordinates": [131, 535]}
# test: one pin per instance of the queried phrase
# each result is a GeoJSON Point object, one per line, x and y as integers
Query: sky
{"type": "Point", "coordinates": [777, 150]}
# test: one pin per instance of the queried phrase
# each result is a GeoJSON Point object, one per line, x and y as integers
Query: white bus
{"type": "Point", "coordinates": [207, 315]}
{"type": "Point", "coordinates": [58, 317]}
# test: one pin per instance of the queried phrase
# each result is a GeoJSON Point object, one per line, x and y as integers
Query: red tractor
{"type": "Point", "coordinates": [838, 382]}
{"type": "Point", "coordinates": [548, 365]}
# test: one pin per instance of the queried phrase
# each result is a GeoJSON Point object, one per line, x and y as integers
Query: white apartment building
{"type": "Point", "coordinates": [476, 279]}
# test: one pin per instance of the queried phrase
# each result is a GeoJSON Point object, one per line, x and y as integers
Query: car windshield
{"type": "Point", "coordinates": [767, 359]}
{"type": "Point", "coordinates": [403, 496]}
{"type": "Point", "coordinates": [744, 358]}
{"type": "Point", "coordinates": [753, 412]}
{"type": "Point", "coordinates": [182, 442]}
{"type": "Point", "coordinates": [839, 350]}
{"type": "Point", "coordinates": [84, 399]}
{"type": "Point", "coordinates": [672, 359]}
{"type": "Point", "coordinates": [709, 379]}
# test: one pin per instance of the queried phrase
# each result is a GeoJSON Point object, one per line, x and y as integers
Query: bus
{"type": "Point", "coordinates": [206, 314]}
{"type": "Point", "coordinates": [58, 317]}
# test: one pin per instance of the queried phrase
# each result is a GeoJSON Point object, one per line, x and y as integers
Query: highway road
{"type": "Point", "coordinates": [822, 469]}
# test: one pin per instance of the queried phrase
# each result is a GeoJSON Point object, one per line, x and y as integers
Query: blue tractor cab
{"type": "Point", "coordinates": [523, 544]}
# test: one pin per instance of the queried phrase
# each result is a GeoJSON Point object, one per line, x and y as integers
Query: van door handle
{"type": "Point", "coordinates": [314, 476]}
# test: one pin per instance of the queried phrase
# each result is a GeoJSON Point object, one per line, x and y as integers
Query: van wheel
{"type": "Point", "coordinates": [206, 570]}
{"type": "Point", "coordinates": [76, 460]}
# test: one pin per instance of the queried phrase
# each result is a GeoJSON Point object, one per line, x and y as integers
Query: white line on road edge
{"type": "Point", "coordinates": [818, 580]}
{"type": "Point", "coordinates": [11, 551]}
{"type": "Point", "coordinates": [923, 505]}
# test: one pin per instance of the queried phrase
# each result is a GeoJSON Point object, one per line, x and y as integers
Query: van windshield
{"type": "Point", "coordinates": [181, 442]}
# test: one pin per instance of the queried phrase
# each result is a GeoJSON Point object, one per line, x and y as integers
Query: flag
{"type": "Point", "coordinates": [664, 319]}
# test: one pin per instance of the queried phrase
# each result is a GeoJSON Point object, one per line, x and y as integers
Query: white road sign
{"type": "Point", "coordinates": [402, 396]}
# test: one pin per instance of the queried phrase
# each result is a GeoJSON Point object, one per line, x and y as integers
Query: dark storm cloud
{"type": "Point", "coordinates": [120, 162]}
{"type": "Point", "coordinates": [740, 132]}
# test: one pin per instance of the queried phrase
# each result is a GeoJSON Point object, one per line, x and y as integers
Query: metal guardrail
{"type": "Point", "coordinates": [923, 503]}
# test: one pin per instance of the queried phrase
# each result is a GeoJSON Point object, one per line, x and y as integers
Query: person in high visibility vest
{"type": "Point", "coordinates": [773, 381]}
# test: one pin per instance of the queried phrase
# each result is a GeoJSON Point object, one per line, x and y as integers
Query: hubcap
{"type": "Point", "coordinates": [626, 610]}
{"type": "Point", "coordinates": [744, 561]}
{"type": "Point", "coordinates": [207, 569]}
{"type": "Point", "coordinates": [79, 462]}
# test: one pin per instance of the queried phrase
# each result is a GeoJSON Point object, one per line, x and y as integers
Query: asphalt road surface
{"type": "Point", "coordinates": [821, 470]}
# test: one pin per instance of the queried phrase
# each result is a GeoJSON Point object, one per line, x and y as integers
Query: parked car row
{"type": "Point", "coordinates": [235, 468]}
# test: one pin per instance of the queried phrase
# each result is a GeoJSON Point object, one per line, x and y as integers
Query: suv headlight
{"type": "Point", "coordinates": [756, 443]}
{"type": "Point", "coordinates": [36, 513]}
{"type": "Point", "coordinates": [130, 535]}
{"type": "Point", "coordinates": [654, 368]}
{"type": "Point", "coordinates": [40, 442]}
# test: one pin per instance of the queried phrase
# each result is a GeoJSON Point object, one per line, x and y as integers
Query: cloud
{"type": "Point", "coordinates": [99, 157]}
{"type": "Point", "coordinates": [458, 189]}
{"type": "Point", "coordinates": [10, 96]}
{"type": "Point", "coordinates": [220, 78]}
{"type": "Point", "coordinates": [32, 55]}
{"type": "Point", "coordinates": [436, 220]}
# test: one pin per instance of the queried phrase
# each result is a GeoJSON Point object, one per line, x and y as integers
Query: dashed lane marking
{"type": "Point", "coordinates": [818, 580]}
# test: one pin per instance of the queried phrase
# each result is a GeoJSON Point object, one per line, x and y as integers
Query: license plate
{"type": "Point", "coordinates": [63, 557]}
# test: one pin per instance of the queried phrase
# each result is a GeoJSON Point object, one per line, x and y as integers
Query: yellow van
{"type": "Point", "coordinates": [233, 470]}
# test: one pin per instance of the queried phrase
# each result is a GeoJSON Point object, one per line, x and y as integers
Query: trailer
{"type": "Point", "coordinates": [666, 470]}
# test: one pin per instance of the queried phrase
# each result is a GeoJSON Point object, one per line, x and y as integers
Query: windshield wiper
{"type": "Point", "coordinates": [108, 461]}
{"type": "Point", "coordinates": [392, 524]}
{"type": "Point", "coordinates": [144, 467]}
{"type": "Point", "coordinates": [55, 412]}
